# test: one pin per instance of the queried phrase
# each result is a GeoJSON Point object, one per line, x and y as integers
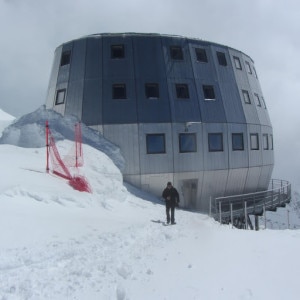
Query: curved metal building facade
{"type": "Point", "coordinates": [180, 109]}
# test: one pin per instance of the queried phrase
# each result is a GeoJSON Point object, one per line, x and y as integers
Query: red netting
{"type": "Point", "coordinates": [60, 167]}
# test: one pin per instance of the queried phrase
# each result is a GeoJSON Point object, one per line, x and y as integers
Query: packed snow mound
{"type": "Point", "coordinates": [29, 132]}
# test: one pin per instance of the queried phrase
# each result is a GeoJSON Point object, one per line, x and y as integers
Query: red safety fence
{"type": "Point", "coordinates": [61, 167]}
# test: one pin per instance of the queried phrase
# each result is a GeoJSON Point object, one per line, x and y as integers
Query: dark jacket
{"type": "Point", "coordinates": [171, 196]}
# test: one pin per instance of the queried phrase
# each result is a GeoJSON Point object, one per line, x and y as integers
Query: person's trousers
{"type": "Point", "coordinates": [170, 207]}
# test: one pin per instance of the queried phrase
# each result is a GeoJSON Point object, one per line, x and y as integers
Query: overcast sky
{"type": "Point", "coordinates": [266, 30]}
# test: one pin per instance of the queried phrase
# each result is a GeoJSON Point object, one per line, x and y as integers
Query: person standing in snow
{"type": "Point", "coordinates": [171, 198]}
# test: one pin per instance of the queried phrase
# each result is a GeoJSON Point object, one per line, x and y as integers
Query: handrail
{"type": "Point", "coordinates": [226, 208]}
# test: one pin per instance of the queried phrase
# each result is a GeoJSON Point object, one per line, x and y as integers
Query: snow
{"type": "Point", "coordinates": [59, 243]}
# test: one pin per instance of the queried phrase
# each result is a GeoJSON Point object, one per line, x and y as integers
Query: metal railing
{"type": "Point", "coordinates": [227, 209]}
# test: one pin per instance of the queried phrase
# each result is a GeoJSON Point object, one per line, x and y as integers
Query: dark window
{"type": "Point", "coordinates": [237, 142]}
{"type": "Point", "coordinates": [254, 143]}
{"type": "Point", "coordinates": [182, 91]}
{"type": "Point", "coordinates": [246, 96]}
{"type": "Point", "coordinates": [201, 54]}
{"type": "Point", "coordinates": [119, 91]}
{"type": "Point", "coordinates": [222, 58]}
{"type": "Point", "coordinates": [271, 141]}
{"type": "Point", "coordinates": [257, 100]}
{"type": "Point", "coordinates": [215, 142]}
{"type": "Point", "coordinates": [155, 143]}
{"type": "Point", "coordinates": [187, 142]}
{"type": "Point", "coordinates": [152, 90]}
{"type": "Point", "coordinates": [265, 141]}
{"type": "Point", "coordinates": [65, 58]}
{"type": "Point", "coordinates": [237, 63]}
{"type": "Point", "coordinates": [209, 93]}
{"type": "Point", "coordinates": [176, 52]}
{"type": "Point", "coordinates": [117, 51]}
{"type": "Point", "coordinates": [248, 67]}
{"type": "Point", "coordinates": [60, 96]}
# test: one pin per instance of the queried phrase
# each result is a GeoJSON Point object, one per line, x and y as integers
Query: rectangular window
{"type": "Point", "coordinates": [237, 63]}
{"type": "Point", "coordinates": [209, 93]}
{"type": "Point", "coordinates": [117, 51]}
{"type": "Point", "coordinates": [182, 91]}
{"type": "Point", "coordinates": [215, 142]}
{"type": "Point", "coordinates": [237, 142]}
{"type": "Point", "coordinates": [248, 67]}
{"type": "Point", "coordinates": [176, 52]}
{"type": "Point", "coordinates": [187, 142]}
{"type": "Point", "coordinates": [201, 54]}
{"type": "Point", "coordinates": [222, 58]}
{"type": "Point", "coordinates": [155, 143]}
{"type": "Point", "coordinates": [257, 100]}
{"type": "Point", "coordinates": [265, 141]}
{"type": "Point", "coordinates": [246, 97]}
{"type": "Point", "coordinates": [119, 91]}
{"type": "Point", "coordinates": [60, 96]}
{"type": "Point", "coordinates": [152, 90]}
{"type": "Point", "coordinates": [254, 143]}
{"type": "Point", "coordinates": [271, 141]}
{"type": "Point", "coordinates": [65, 58]}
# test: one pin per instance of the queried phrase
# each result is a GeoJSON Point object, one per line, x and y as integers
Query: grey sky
{"type": "Point", "coordinates": [266, 30]}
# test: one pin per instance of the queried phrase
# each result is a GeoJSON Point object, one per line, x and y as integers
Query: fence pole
{"type": "Point", "coordinates": [246, 215]}
{"type": "Point", "coordinates": [265, 216]}
{"type": "Point", "coordinates": [47, 146]}
{"type": "Point", "coordinates": [288, 218]}
{"type": "Point", "coordinates": [231, 215]}
{"type": "Point", "coordinates": [220, 212]}
{"type": "Point", "coordinates": [210, 206]}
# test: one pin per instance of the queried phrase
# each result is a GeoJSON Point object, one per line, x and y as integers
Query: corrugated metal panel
{"type": "Point", "coordinates": [268, 154]}
{"type": "Point", "coordinates": [252, 180]}
{"type": "Point", "coordinates": [92, 102]}
{"type": "Point", "coordinates": [186, 109]}
{"type": "Point", "coordinates": [150, 68]}
{"type": "Point", "coordinates": [192, 161]}
{"type": "Point", "coordinates": [215, 160]}
{"type": "Point", "coordinates": [156, 163]}
{"type": "Point", "coordinates": [76, 79]}
{"type": "Point", "coordinates": [213, 185]}
{"type": "Point", "coordinates": [236, 181]}
{"type": "Point", "coordinates": [265, 177]}
{"type": "Point", "coordinates": [126, 137]}
{"type": "Point", "coordinates": [228, 88]}
{"type": "Point", "coordinates": [238, 158]}
{"type": "Point", "coordinates": [50, 101]}
{"type": "Point", "coordinates": [119, 111]}
{"type": "Point", "coordinates": [93, 62]}
{"type": "Point", "coordinates": [255, 156]}
{"type": "Point", "coordinates": [156, 183]}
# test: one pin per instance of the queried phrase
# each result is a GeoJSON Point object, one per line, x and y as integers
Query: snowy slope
{"type": "Point", "coordinates": [5, 120]}
{"type": "Point", "coordinates": [58, 243]}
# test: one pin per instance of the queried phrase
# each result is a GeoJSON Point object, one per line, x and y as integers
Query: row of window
{"type": "Point", "coordinates": [152, 92]}
{"type": "Point", "coordinates": [188, 142]}
{"type": "Point", "coordinates": [176, 53]}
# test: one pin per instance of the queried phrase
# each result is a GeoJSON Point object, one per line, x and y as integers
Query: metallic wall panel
{"type": "Point", "coordinates": [238, 158]}
{"type": "Point", "coordinates": [192, 161]}
{"type": "Point", "coordinates": [120, 67]}
{"type": "Point", "coordinates": [265, 177]}
{"type": "Point", "coordinates": [236, 181]}
{"type": "Point", "coordinates": [149, 67]}
{"type": "Point", "coordinates": [228, 88]}
{"type": "Point", "coordinates": [267, 154]}
{"type": "Point", "coordinates": [50, 100]}
{"type": "Point", "coordinates": [119, 111]}
{"type": "Point", "coordinates": [215, 160]}
{"type": "Point", "coordinates": [126, 138]}
{"type": "Point", "coordinates": [93, 62]}
{"type": "Point", "coordinates": [255, 156]}
{"type": "Point", "coordinates": [213, 185]}
{"type": "Point", "coordinates": [156, 183]}
{"type": "Point", "coordinates": [184, 109]}
{"type": "Point", "coordinates": [156, 163]}
{"type": "Point", "coordinates": [92, 102]}
{"type": "Point", "coordinates": [252, 180]}
{"type": "Point", "coordinates": [74, 98]}
{"type": "Point", "coordinates": [180, 69]}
